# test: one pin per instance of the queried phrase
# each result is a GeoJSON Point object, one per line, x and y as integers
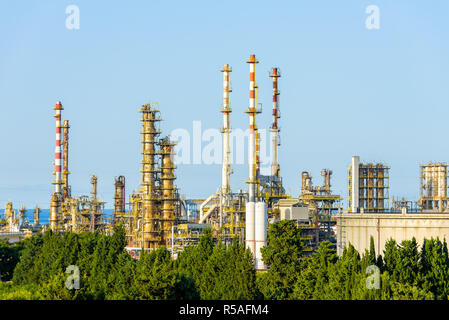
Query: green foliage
{"type": "Point", "coordinates": [8, 291]}
{"type": "Point", "coordinates": [9, 257]}
{"type": "Point", "coordinates": [314, 274]}
{"type": "Point", "coordinates": [282, 255]}
{"type": "Point", "coordinates": [26, 271]}
{"type": "Point", "coordinates": [407, 273]}
{"type": "Point", "coordinates": [155, 279]}
{"type": "Point", "coordinates": [37, 267]}
{"type": "Point", "coordinates": [219, 272]}
{"type": "Point", "coordinates": [434, 265]}
{"type": "Point", "coordinates": [45, 258]}
{"type": "Point", "coordinates": [55, 289]}
{"type": "Point", "coordinates": [405, 291]}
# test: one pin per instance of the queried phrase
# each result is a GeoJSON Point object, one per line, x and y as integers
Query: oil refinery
{"type": "Point", "coordinates": [156, 215]}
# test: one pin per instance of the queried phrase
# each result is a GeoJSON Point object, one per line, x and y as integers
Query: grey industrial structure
{"type": "Point", "coordinates": [368, 214]}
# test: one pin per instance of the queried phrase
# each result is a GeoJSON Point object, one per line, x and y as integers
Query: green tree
{"type": "Point", "coordinates": [156, 280]}
{"type": "Point", "coordinates": [55, 289]}
{"type": "Point", "coordinates": [313, 280]}
{"type": "Point", "coordinates": [408, 262]}
{"type": "Point", "coordinates": [9, 257]}
{"type": "Point", "coordinates": [391, 259]}
{"type": "Point", "coordinates": [282, 256]}
{"type": "Point", "coordinates": [345, 275]}
{"type": "Point", "coordinates": [121, 279]}
{"type": "Point", "coordinates": [434, 265]}
{"type": "Point", "coordinates": [192, 261]}
{"type": "Point", "coordinates": [242, 274]}
{"type": "Point", "coordinates": [26, 270]}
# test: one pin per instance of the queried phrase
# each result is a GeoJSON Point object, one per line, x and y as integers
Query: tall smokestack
{"type": "Point", "coordinates": [355, 183]}
{"type": "Point", "coordinates": [252, 161]}
{"type": "Point", "coordinates": [252, 129]}
{"type": "Point", "coordinates": [58, 172]}
{"type": "Point", "coordinates": [226, 110]}
{"type": "Point", "coordinates": [55, 200]}
{"type": "Point", "coordinates": [274, 127]}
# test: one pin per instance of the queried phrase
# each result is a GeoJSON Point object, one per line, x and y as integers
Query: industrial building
{"type": "Point", "coordinates": [369, 214]}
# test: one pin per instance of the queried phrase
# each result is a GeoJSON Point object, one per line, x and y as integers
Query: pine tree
{"type": "Point", "coordinates": [391, 259]}
{"type": "Point", "coordinates": [408, 262]}
{"type": "Point", "coordinates": [313, 280]}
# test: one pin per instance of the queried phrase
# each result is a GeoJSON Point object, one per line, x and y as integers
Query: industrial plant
{"type": "Point", "coordinates": [156, 215]}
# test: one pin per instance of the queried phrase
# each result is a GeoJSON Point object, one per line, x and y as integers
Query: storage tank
{"type": "Point", "coordinates": [260, 232]}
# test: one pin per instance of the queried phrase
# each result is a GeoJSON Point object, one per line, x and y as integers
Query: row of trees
{"type": "Point", "coordinates": [211, 270]}
{"type": "Point", "coordinates": [404, 271]}
{"type": "Point", "coordinates": [207, 271]}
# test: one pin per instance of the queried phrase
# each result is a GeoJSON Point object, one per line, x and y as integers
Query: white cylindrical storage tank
{"type": "Point", "coordinates": [249, 227]}
{"type": "Point", "coordinates": [260, 232]}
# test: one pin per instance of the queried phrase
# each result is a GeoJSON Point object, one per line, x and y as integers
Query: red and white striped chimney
{"type": "Point", "coordinates": [58, 165]}
{"type": "Point", "coordinates": [252, 129]}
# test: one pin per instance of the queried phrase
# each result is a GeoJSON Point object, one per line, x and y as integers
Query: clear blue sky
{"type": "Point", "coordinates": [345, 90]}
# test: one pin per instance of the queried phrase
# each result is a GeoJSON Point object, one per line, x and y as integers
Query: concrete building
{"type": "Point", "coordinates": [357, 228]}
{"type": "Point", "coordinates": [369, 214]}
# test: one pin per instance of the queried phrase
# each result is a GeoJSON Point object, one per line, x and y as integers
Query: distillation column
{"type": "Point", "coordinates": [274, 127]}
{"type": "Point", "coordinates": [93, 181]}
{"type": "Point", "coordinates": [119, 197]}
{"type": "Point", "coordinates": [94, 203]}
{"type": "Point", "coordinates": [151, 236]}
{"type": "Point", "coordinates": [37, 211]}
{"type": "Point", "coordinates": [167, 187]}
{"type": "Point", "coordinates": [55, 202]}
